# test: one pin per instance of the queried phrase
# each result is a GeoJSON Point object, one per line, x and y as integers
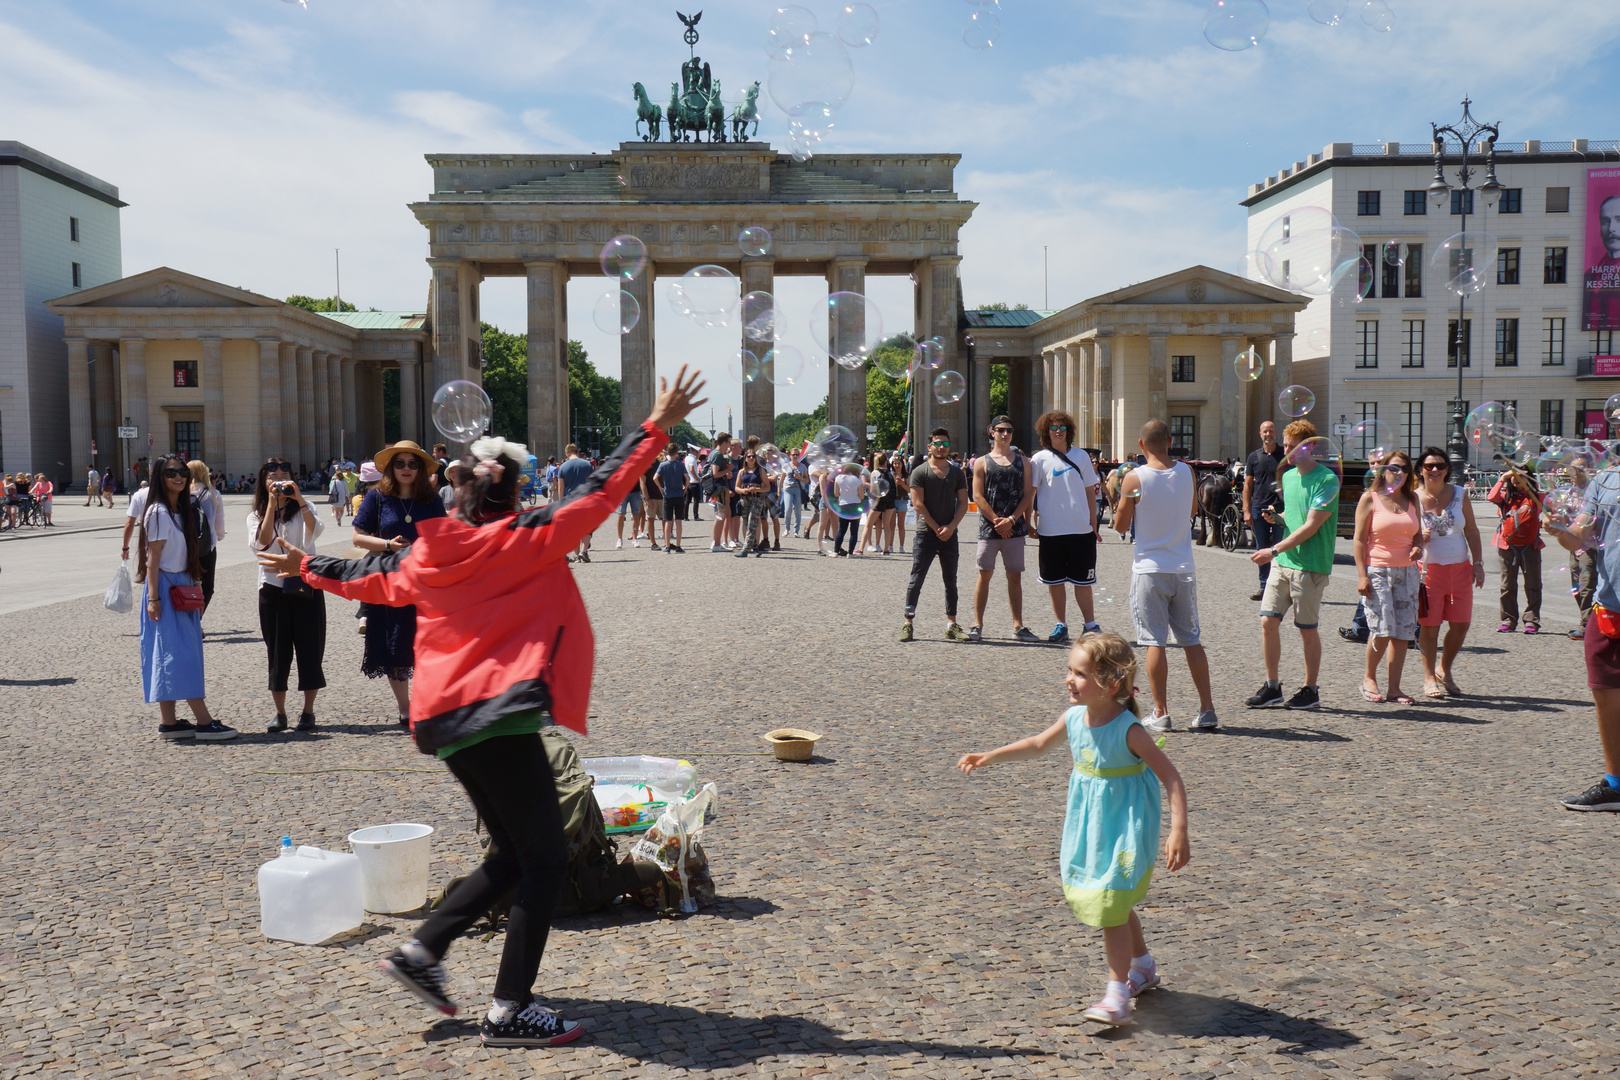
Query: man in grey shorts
{"type": "Point", "coordinates": [1003, 490]}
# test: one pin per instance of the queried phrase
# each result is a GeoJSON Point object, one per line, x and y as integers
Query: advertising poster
{"type": "Point", "coordinates": [1601, 310]}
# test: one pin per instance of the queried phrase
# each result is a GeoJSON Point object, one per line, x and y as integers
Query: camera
{"type": "Point", "coordinates": [284, 488]}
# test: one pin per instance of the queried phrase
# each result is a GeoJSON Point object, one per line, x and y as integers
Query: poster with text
{"type": "Point", "coordinates": [1601, 310]}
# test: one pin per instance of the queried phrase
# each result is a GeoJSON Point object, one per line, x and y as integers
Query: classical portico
{"type": "Point", "coordinates": [843, 217]}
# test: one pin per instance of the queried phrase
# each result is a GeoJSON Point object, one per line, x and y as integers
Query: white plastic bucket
{"type": "Point", "coordinates": [393, 866]}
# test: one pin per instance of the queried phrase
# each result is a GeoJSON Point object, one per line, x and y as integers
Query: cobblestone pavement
{"type": "Point", "coordinates": [1375, 890]}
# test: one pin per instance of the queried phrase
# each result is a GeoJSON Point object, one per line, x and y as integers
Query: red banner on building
{"type": "Point", "coordinates": [1602, 285]}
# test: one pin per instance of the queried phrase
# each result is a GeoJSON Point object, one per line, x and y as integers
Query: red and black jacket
{"type": "Point", "coordinates": [500, 624]}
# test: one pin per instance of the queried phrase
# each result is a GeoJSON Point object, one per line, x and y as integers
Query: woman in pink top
{"type": "Point", "coordinates": [43, 490]}
{"type": "Point", "coordinates": [1388, 545]}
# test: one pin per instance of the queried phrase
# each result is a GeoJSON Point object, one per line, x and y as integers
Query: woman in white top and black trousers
{"type": "Point", "coordinates": [292, 615]}
{"type": "Point", "coordinates": [210, 509]}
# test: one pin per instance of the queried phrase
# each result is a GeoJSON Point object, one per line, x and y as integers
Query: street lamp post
{"type": "Point", "coordinates": [1465, 132]}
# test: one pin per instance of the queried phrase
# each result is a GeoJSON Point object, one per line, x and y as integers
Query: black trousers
{"type": "Point", "coordinates": [924, 547]}
{"type": "Point", "coordinates": [209, 560]}
{"type": "Point", "coordinates": [293, 628]}
{"type": "Point", "coordinates": [508, 779]}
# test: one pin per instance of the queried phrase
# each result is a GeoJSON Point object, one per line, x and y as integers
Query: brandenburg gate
{"type": "Point", "coordinates": [843, 217]}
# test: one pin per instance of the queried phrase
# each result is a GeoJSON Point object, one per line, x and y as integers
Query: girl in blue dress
{"type": "Point", "coordinates": [1111, 831]}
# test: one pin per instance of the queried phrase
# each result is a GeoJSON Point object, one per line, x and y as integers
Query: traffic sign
{"type": "Point", "coordinates": [871, 431]}
{"type": "Point", "coordinates": [1341, 429]}
{"type": "Point", "coordinates": [129, 433]}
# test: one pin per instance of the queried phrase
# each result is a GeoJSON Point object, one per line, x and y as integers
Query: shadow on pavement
{"type": "Point", "coordinates": [1287, 734]}
{"type": "Point", "coordinates": [65, 680]}
{"type": "Point", "coordinates": [1199, 1016]}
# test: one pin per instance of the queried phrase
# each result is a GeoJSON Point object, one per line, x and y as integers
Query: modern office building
{"type": "Point", "coordinates": [59, 233]}
{"type": "Point", "coordinates": [1392, 353]}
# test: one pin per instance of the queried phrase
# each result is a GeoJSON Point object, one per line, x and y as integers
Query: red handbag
{"type": "Point", "coordinates": [186, 597]}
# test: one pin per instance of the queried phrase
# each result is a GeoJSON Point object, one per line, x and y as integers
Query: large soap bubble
{"type": "Point", "coordinates": [1465, 261]}
{"type": "Point", "coordinates": [616, 312]}
{"type": "Point", "coordinates": [1488, 422]}
{"type": "Point", "coordinates": [846, 492]}
{"type": "Point", "coordinates": [949, 386]}
{"type": "Point", "coordinates": [744, 366]}
{"type": "Point", "coordinates": [1320, 453]}
{"type": "Point", "coordinates": [461, 410]}
{"type": "Point", "coordinates": [817, 71]}
{"type": "Point", "coordinates": [759, 315]}
{"type": "Point", "coordinates": [754, 240]}
{"type": "Point", "coordinates": [1395, 252]}
{"type": "Point", "coordinates": [1370, 438]}
{"type": "Point", "coordinates": [835, 443]}
{"type": "Point", "coordinates": [897, 357]}
{"type": "Point", "coordinates": [1376, 14]}
{"type": "Point", "coordinates": [1327, 12]}
{"type": "Point", "coordinates": [784, 365]}
{"type": "Point", "coordinates": [705, 294]}
{"type": "Point", "coordinates": [982, 29]}
{"type": "Point", "coordinates": [1611, 410]}
{"type": "Point", "coordinates": [1295, 400]}
{"type": "Point", "coordinates": [848, 327]}
{"type": "Point", "coordinates": [931, 353]}
{"type": "Point", "coordinates": [623, 257]}
{"type": "Point", "coordinates": [791, 27]}
{"type": "Point", "coordinates": [1313, 252]}
{"type": "Point", "coordinates": [857, 25]}
{"type": "Point", "coordinates": [1318, 339]}
{"type": "Point", "coordinates": [1249, 364]}
{"type": "Point", "coordinates": [1235, 25]}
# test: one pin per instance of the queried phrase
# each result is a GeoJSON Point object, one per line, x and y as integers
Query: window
{"type": "Point", "coordinates": [1368, 410]}
{"type": "Point", "coordinates": [1392, 277]}
{"type": "Point", "coordinates": [1182, 367]}
{"type": "Point", "coordinates": [1417, 203]}
{"type": "Point", "coordinates": [1414, 271]}
{"type": "Point", "coordinates": [1412, 343]}
{"type": "Point", "coordinates": [1366, 274]}
{"type": "Point", "coordinates": [1555, 266]}
{"type": "Point", "coordinates": [1183, 436]}
{"type": "Point", "coordinates": [188, 438]}
{"type": "Point", "coordinates": [1552, 342]}
{"type": "Point", "coordinates": [1412, 427]}
{"type": "Point", "coordinates": [1462, 202]}
{"type": "Point", "coordinates": [1512, 201]}
{"type": "Point", "coordinates": [185, 373]}
{"type": "Point", "coordinates": [1366, 343]}
{"type": "Point", "coordinates": [78, 276]}
{"type": "Point", "coordinates": [73, 229]}
{"type": "Point", "coordinates": [1452, 343]}
{"type": "Point", "coordinates": [1507, 266]}
{"type": "Point", "coordinates": [1552, 417]}
{"type": "Point", "coordinates": [1507, 342]}
{"type": "Point", "coordinates": [1603, 343]}
{"type": "Point", "coordinates": [1367, 203]}
{"type": "Point", "coordinates": [1558, 200]}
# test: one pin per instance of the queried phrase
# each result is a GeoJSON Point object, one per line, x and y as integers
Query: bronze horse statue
{"type": "Point", "coordinates": [646, 112]}
{"type": "Point", "coordinates": [745, 113]}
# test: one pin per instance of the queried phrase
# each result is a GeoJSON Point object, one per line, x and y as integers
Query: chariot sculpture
{"type": "Point", "coordinates": [695, 107]}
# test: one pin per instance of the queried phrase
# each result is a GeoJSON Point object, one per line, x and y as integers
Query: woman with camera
{"type": "Point", "coordinates": [292, 616]}
{"type": "Point", "coordinates": [386, 522]}
{"type": "Point", "coordinates": [171, 618]}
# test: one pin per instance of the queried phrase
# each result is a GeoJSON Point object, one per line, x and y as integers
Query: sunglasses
{"type": "Point", "coordinates": [1435, 466]}
{"type": "Point", "coordinates": [1396, 469]}
{"type": "Point", "coordinates": [1058, 427]}
{"type": "Point", "coordinates": [406, 463]}
{"type": "Point", "coordinates": [940, 442]}
{"type": "Point", "coordinates": [1004, 431]}
{"type": "Point", "coordinates": [279, 466]}
{"type": "Point", "coordinates": [173, 473]}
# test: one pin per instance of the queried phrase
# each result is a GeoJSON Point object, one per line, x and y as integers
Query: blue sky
{"type": "Point", "coordinates": [251, 137]}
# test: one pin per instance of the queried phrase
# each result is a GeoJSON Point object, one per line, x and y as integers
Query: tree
{"type": "Point", "coordinates": [325, 303]}
{"type": "Point", "coordinates": [999, 374]}
{"type": "Point", "coordinates": [886, 396]}
{"type": "Point", "coordinates": [594, 403]}
{"type": "Point", "coordinates": [683, 434]}
{"type": "Point", "coordinates": [792, 429]}
{"type": "Point", "coordinates": [506, 381]}
{"type": "Point", "coordinates": [1001, 305]}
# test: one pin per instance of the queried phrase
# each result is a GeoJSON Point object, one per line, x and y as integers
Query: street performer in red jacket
{"type": "Point", "coordinates": [503, 647]}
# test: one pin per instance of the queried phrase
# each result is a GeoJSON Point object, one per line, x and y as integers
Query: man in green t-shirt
{"type": "Point", "coordinates": [1304, 562]}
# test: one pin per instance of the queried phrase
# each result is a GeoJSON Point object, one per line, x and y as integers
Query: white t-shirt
{"type": "Point", "coordinates": [159, 524]}
{"type": "Point", "coordinates": [1164, 520]}
{"type": "Point", "coordinates": [137, 503]}
{"type": "Point", "coordinates": [691, 463]}
{"type": "Point", "coordinates": [847, 488]}
{"type": "Point", "coordinates": [1060, 492]}
{"type": "Point", "coordinates": [295, 532]}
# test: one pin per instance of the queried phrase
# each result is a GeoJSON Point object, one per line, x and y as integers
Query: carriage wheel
{"type": "Point", "coordinates": [1231, 528]}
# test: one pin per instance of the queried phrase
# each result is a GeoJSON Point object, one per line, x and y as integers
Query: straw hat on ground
{"type": "Point", "coordinates": [404, 446]}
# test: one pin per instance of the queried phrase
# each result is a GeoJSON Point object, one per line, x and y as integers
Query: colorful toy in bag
{"type": "Point", "coordinates": [672, 844]}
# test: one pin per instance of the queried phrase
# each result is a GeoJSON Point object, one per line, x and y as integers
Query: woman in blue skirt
{"type": "Point", "coordinates": [171, 641]}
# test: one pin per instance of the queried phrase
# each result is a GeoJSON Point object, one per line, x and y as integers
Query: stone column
{"type": "Point", "coordinates": [1262, 392]}
{"type": "Point", "coordinates": [1022, 404]}
{"type": "Point", "coordinates": [447, 346]}
{"type": "Point", "coordinates": [306, 407]}
{"type": "Point", "coordinates": [1060, 378]}
{"type": "Point", "coordinates": [270, 430]}
{"type": "Point", "coordinates": [637, 362]}
{"type": "Point", "coordinates": [1048, 387]}
{"type": "Point", "coordinates": [548, 359]}
{"type": "Point", "coordinates": [979, 406]}
{"type": "Point", "coordinates": [290, 441]}
{"type": "Point", "coordinates": [1074, 380]}
{"type": "Point", "coordinates": [410, 410]}
{"type": "Point", "coordinates": [351, 413]}
{"type": "Point", "coordinates": [846, 390]}
{"type": "Point", "coordinates": [759, 396]}
{"type": "Point", "coordinates": [323, 409]}
{"type": "Point", "coordinates": [212, 371]}
{"type": "Point", "coordinates": [334, 403]}
{"type": "Point", "coordinates": [1282, 375]}
{"type": "Point", "coordinates": [104, 408]}
{"type": "Point", "coordinates": [80, 416]}
{"type": "Point", "coordinates": [132, 366]}
{"type": "Point", "coordinates": [1158, 377]}
{"type": "Point", "coordinates": [1080, 355]}
{"type": "Point", "coordinates": [1102, 398]}
{"type": "Point", "coordinates": [1231, 414]}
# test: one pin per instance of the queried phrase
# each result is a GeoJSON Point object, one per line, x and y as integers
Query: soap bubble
{"type": "Point", "coordinates": [1369, 439]}
{"type": "Point", "coordinates": [1320, 452]}
{"type": "Point", "coordinates": [1481, 426]}
{"type": "Point", "coordinates": [705, 294]}
{"type": "Point", "coordinates": [1235, 25]}
{"type": "Point", "coordinates": [791, 27]}
{"type": "Point", "coordinates": [744, 366]}
{"type": "Point", "coordinates": [1318, 339]}
{"type": "Point", "coordinates": [1249, 364]}
{"type": "Point", "coordinates": [759, 315]}
{"type": "Point", "coordinates": [835, 443]}
{"type": "Point", "coordinates": [897, 357]}
{"type": "Point", "coordinates": [1255, 266]}
{"type": "Point", "coordinates": [1395, 252]}
{"type": "Point", "coordinates": [949, 386]}
{"type": "Point", "coordinates": [1327, 12]}
{"type": "Point", "coordinates": [754, 240]}
{"type": "Point", "coordinates": [931, 354]}
{"type": "Point", "coordinates": [880, 486]}
{"type": "Point", "coordinates": [817, 71]}
{"type": "Point", "coordinates": [1376, 14]}
{"type": "Point", "coordinates": [616, 312]}
{"type": "Point", "coordinates": [623, 257]}
{"type": "Point", "coordinates": [857, 25]}
{"type": "Point", "coordinates": [1295, 401]}
{"type": "Point", "coordinates": [1611, 410]}
{"type": "Point", "coordinates": [1308, 251]}
{"type": "Point", "coordinates": [1466, 262]}
{"type": "Point", "coordinates": [838, 483]}
{"type": "Point", "coordinates": [848, 327]}
{"type": "Point", "coordinates": [784, 365]}
{"type": "Point", "coordinates": [982, 29]}
{"type": "Point", "coordinates": [461, 410]}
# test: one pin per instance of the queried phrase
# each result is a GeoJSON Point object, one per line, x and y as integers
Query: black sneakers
{"type": "Point", "coordinates": [536, 1025]}
{"type": "Point", "coordinates": [426, 981]}
{"type": "Point", "coordinates": [1600, 796]}
{"type": "Point", "coordinates": [1305, 698]}
{"type": "Point", "coordinates": [1267, 697]}
{"type": "Point", "coordinates": [278, 724]}
{"type": "Point", "coordinates": [306, 722]}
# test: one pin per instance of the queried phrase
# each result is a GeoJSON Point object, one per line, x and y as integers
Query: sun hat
{"type": "Point", "coordinates": [404, 446]}
{"type": "Point", "coordinates": [369, 473]}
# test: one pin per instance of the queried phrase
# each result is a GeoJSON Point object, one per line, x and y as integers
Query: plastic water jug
{"type": "Point", "coordinates": [307, 895]}
{"type": "Point", "coordinates": [621, 781]}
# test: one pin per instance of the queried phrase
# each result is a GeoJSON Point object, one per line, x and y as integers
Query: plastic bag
{"type": "Point", "coordinates": [120, 594]}
{"type": "Point", "coordinates": [673, 845]}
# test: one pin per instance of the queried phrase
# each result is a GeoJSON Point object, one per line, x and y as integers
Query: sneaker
{"type": "Point", "coordinates": [832, 554]}
{"type": "Point", "coordinates": [1115, 1012]}
{"type": "Point", "coordinates": [1261, 595]}
{"type": "Point", "coordinates": [1206, 721]}
{"type": "Point", "coordinates": [906, 633]}
{"type": "Point", "coordinates": [1091, 628]}
{"type": "Point", "coordinates": [426, 981]}
{"type": "Point", "coordinates": [1305, 698]}
{"type": "Point", "coordinates": [1267, 697]}
{"type": "Point", "coordinates": [1059, 634]}
{"type": "Point", "coordinates": [278, 724]}
{"type": "Point", "coordinates": [1600, 796]}
{"type": "Point", "coordinates": [1505, 628]}
{"type": "Point", "coordinates": [1140, 979]}
{"type": "Point", "coordinates": [716, 548]}
{"type": "Point", "coordinates": [776, 545]}
{"type": "Point", "coordinates": [1577, 634]}
{"type": "Point", "coordinates": [1532, 628]}
{"type": "Point", "coordinates": [584, 556]}
{"type": "Point", "coordinates": [954, 632]}
{"type": "Point", "coordinates": [306, 722]}
{"type": "Point", "coordinates": [741, 554]}
{"type": "Point", "coordinates": [975, 633]}
{"type": "Point", "coordinates": [650, 544]}
{"type": "Point", "coordinates": [536, 1025]}
{"type": "Point", "coordinates": [1350, 633]}
{"type": "Point", "coordinates": [180, 729]}
{"type": "Point", "coordinates": [1026, 635]}
{"type": "Point", "coordinates": [618, 545]}
{"type": "Point", "coordinates": [679, 550]}
{"type": "Point", "coordinates": [1158, 723]}
{"type": "Point", "coordinates": [215, 732]}
{"type": "Point", "coordinates": [635, 542]}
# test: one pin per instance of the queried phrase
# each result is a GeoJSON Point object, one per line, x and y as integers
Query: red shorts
{"type": "Point", "coordinates": [1448, 594]}
{"type": "Point", "coordinates": [1602, 659]}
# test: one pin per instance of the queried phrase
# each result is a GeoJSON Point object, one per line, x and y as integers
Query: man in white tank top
{"type": "Point", "coordinates": [1158, 498]}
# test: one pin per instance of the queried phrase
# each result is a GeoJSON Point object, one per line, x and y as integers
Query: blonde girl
{"type": "Point", "coordinates": [1111, 831]}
